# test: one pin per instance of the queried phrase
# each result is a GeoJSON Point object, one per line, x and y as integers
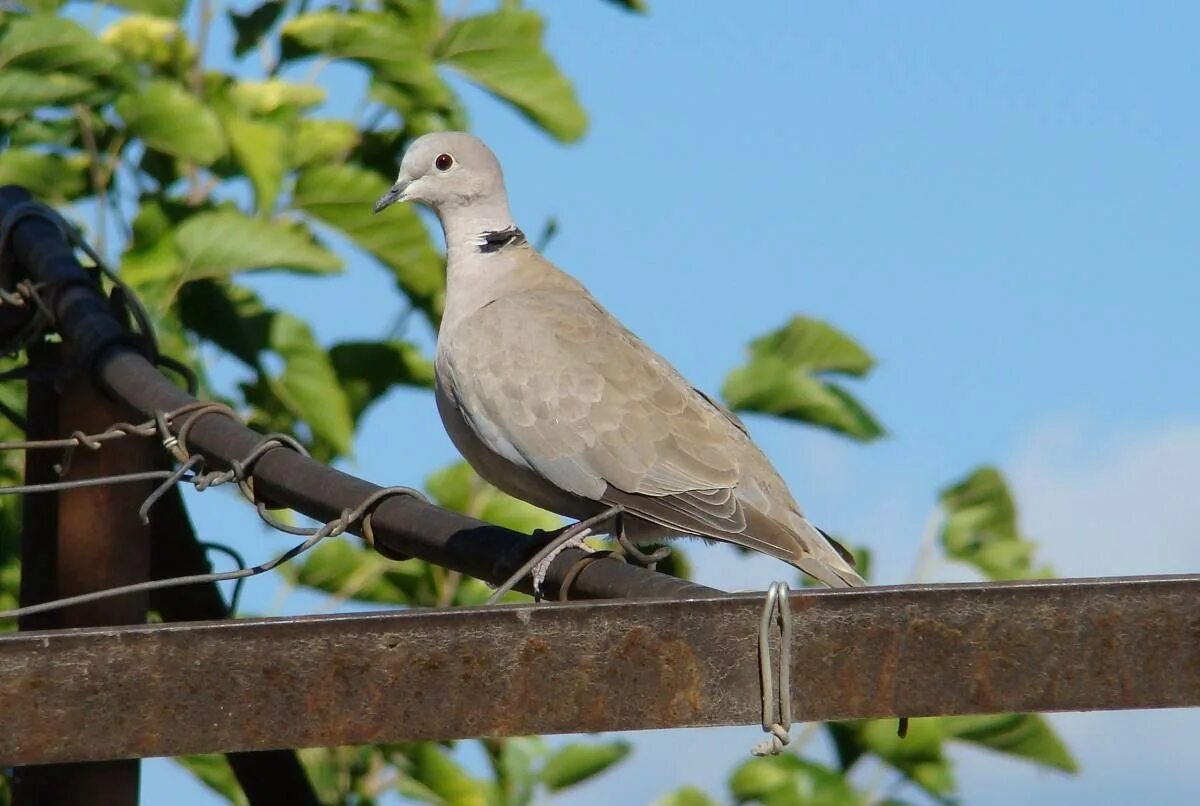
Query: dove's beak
{"type": "Point", "coordinates": [394, 194]}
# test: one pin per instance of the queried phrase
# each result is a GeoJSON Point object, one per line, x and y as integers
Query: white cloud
{"type": "Point", "coordinates": [1111, 505]}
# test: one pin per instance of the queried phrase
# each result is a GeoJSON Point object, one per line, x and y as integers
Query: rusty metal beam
{"type": "Point", "coordinates": [501, 671]}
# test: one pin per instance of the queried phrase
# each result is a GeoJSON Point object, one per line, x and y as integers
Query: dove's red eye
{"type": "Point", "coordinates": [443, 162]}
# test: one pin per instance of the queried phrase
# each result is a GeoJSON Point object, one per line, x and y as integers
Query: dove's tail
{"type": "Point", "coordinates": [826, 560]}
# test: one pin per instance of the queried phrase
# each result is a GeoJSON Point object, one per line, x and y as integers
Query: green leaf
{"type": "Point", "coordinates": [31, 131]}
{"type": "Point", "coordinates": [771, 385]}
{"type": "Point", "coordinates": [366, 370]}
{"type": "Point", "coordinates": [687, 796]}
{"type": "Point", "coordinates": [273, 95]}
{"type": "Point", "coordinates": [503, 52]}
{"type": "Point", "coordinates": [342, 195]}
{"type": "Point", "coordinates": [421, 17]}
{"type": "Point", "coordinates": [815, 346]}
{"type": "Point", "coordinates": [223, 242]}
{"type": "Point", "coordinates": [981, 529]}
{"type": "Point", "coordinates": [788, 780]}
{"type": "Point", "coordinates": [344, 569]}
{"type": "Point", "coordinates": [27, 89]}
{"type": "Point", "coordinates": [260, 149]}
{"type": "Point", "coordinates": [251, 27]}
{"type": "Point", "coordinates": [392, 45]}
{"type": "Point", "coordinates": [781, 379]}
{"type": "Point", "coordinates": [48, 44]}
{"type": "Point", "coordinates": [457, 487]}
{"type": "Point", "coordinates": [230, 316]}
{"type": "Point", "coordinates": [513, 762]}
{"type": "Point", "coordinates": [318, 141]}
{"type": "Point", "coordinates": [308, 385]}
{"type": "Point", "coordinates": [215, 773]}
{"type": "Point", "coordinates": [580, 762]}
{"type": "Point", "coordinates": [151, 40]}
{"type": "Point", "coordinates": [152, 264]}
{"type": "Point", "coordinates": [757, 778]}
{"type": "Point", "coordinates": [919, 755]}
{"type": "Point", "coordinates": [1027, 736]}
{"type": "Point", "coordinates": [632, 5]}
{"type": "Point", "coordinates": [373, 39]}
{"type": "Point", "coordinates": [441, 774]}
{"type": "Point", "coordinates": [171, 120]}
{"type": "Point", "coordinates": [236, 320]}
{"type": "Point", "coordinates": [47, 176]}
{"type": "Point", "coordinates": [161, 8]}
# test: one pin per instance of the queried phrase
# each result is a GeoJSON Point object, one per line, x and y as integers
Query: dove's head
{"type": "Point", "coordinates": [445, 170]}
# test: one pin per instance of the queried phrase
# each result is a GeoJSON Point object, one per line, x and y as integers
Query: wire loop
{"type": "Point", "coordinates": [776, 712]}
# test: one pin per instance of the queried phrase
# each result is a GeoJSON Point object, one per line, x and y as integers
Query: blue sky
{"type": "Point", "coordinates": [998, 201]}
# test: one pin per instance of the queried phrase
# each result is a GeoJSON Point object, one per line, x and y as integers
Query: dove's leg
{"type": "Point", "coordinates": [572, 536]}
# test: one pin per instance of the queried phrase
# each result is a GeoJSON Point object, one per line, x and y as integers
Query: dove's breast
{"type": "Point", "coordinates": [498, 463]}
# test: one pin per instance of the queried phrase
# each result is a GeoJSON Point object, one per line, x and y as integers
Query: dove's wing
{"type": "Point", "coordinates": [552, 382]}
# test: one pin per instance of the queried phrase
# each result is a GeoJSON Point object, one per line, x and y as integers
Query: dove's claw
{"type": "Point", "coordinates": [578, 541]}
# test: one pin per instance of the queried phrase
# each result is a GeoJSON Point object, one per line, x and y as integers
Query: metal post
{"type": "Point", "coordinates": [267, 777]}
{"type": "Point", "coordinates": [78, 541]}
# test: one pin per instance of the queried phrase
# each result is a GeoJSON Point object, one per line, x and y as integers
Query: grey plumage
{"type": "Point", "coordinates": [552, 400]}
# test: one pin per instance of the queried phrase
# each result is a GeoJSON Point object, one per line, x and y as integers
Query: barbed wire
{"type": "Point", "coordinates": [191, 470]}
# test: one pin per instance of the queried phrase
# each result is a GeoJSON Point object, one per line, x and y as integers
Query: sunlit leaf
{"type": "Point", "coordinates": [43, 132]}
{"type": "Point", "coordinates": [785, 377]}
{"type": "Point", "coordinates": [309, 385]}
{"type": "Point", "coordinates": [421, 17]}
{"type": "Point", "coordinates": [981, 528]}
{"type": "Point", "coordinates": [172, 120]}
{"type": "Point", "coordinates": [49, 44]}
{"type": "Point", "coordinates": [150, 40]}
{"type": "Point", "coordinates": [813, 345]}
{"type": "Point", "coordinates": [1026, 736]}
{"type": "Point", "coordinates": [319, 141]}
{"type": "Point", "coordinates": [434, 768]}
{"type": "Point", "coordinates": [272, 95]}
{"type": "Point", "coordinates": [47, 176]}
{"type": "Point", "coordinates": [686, 796]}
{"type": "Point", "coordinates": [788, 780]}
{"type": "Point", "coordinates": [503, 52]}
{"type": "Point", "coordinates": [376, 40]}
{"type": "Point", "coordinates": [224, 242]}
{"type": "Point", "coordinates": [342, 196]}
{"type": "Point", "coordinates": [162, 8]}
{"type": "Point", "coordinates": [513, 761]}
{"type": "Point", "coordinates": [28, 89]}
{"type": "Point", "coordinates": [579, 762]}
{"type": "Point", "coordinates": [457, 487]}
{"type": "Point", "coordinates": [260, 149]}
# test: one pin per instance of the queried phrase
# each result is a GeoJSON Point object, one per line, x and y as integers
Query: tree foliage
{"type": "Point", "coordinates": [195, 168]}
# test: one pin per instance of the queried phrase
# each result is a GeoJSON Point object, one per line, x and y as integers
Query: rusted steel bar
{"type": "Point", "coordinates": [401, 525]}
{"type": "Point", "coordinates": [502, 671]}
{"type": "Point", "coordinates": [97, 541]}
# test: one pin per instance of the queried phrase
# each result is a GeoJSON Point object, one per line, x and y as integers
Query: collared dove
{"type": "Point", "coordinates": [552, 400]}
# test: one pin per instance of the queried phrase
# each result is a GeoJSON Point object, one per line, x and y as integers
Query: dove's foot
{"type": "Point", "coordinates": [572, 536]}
{"type": "Point", "coordinates": [562, 542]}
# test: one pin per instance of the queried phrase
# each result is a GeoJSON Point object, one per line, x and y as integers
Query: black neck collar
{"type": "Point", "coordinates": [495, 240]}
